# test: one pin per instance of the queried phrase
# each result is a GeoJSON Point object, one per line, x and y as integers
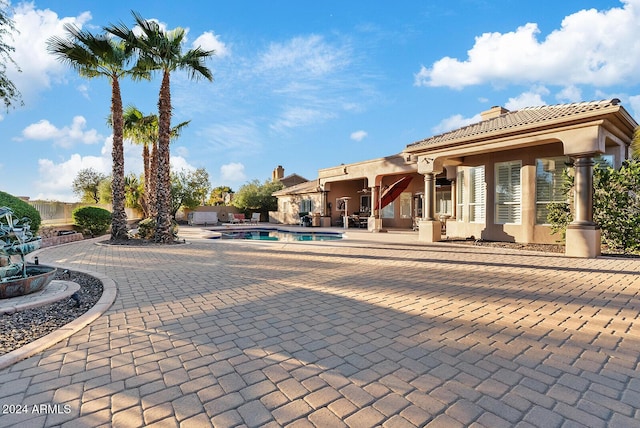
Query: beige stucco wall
{"type": "Point", "coordinates": [289, 208]}
{"type": "Point", "coordinates": [527, 231]}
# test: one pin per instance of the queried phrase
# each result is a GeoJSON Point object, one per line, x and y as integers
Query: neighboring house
{"type": "Point", "coordinates": [289, 180]}
{"type": "Point", "coordinates": [491, 180]}
{"type": "Point", "coordinates": [302, 198]}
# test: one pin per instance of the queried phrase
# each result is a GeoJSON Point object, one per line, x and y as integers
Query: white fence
{"type": "Point", "coordinates": [59, 213]}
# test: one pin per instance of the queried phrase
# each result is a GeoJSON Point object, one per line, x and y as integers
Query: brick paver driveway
{"type": "Point", "coordinates": [367, 332]}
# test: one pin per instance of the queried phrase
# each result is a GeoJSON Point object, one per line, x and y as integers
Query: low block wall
{"type": "Point", "coordinates": [62, 239]}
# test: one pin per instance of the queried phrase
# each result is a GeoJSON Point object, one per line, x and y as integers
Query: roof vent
{"type": "Point", "coordinates": [493, 112]}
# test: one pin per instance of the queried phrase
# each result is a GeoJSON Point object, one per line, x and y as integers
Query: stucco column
{"type": "Point", "coordinates": [583, 182]}
{"type": "Point", "coordinates": [583, 235]}
{"type": "Point", "coordinates": [374, 224]}
{"type": "Point", "coordinates": [429, 227]}
{"type": "Point", "coordinates": [429, 209]}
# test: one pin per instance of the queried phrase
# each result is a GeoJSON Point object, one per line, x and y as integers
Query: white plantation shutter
{"type": "Point", "coordinates": [508, 197]}
{"type": "Point", "coordinates": [477, 195]}
{"type": "Point", "coordinates": [460, 188]}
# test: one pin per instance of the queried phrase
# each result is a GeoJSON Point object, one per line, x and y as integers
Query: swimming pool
{"type": "Point", "coordinates": [278, 235]}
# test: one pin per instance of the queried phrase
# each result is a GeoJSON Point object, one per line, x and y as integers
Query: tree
{"type": "Point", "coordinates": [134, 192]}
{"type": "Point", "coordinates": [616, 205]}
{"type": "Point", "coordinates": [218, 195]}
{"type": "Point", "coordinates": [161, 50]}
{"type": "Point", "coordinates": [188, 189]}
{"type": "Point", "coordinates": [21, 209]}
{"type": "Point", "coordinates": [635, 144]}
{"type": "Point", "coordinates": [8, 91]}
{"type": "Point", "coordinates": [254, 196]}
{"type": "Point", "coordinates": [99, 55]}
{"type": "Point", "coordinates": [104, 191]}
{"type": "Point", "coordinates": [87, 185]}
{"type": "Point", "coordinates": [141, 129]}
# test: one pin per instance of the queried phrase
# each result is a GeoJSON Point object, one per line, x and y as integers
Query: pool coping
{"type": "Point", "coordinates": [216, 232]}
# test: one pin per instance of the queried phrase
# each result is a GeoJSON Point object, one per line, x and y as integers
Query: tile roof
{"type": "Point", "coordinates": [306, 187]}
{"type": "Point", "coordinates": [513, 120]}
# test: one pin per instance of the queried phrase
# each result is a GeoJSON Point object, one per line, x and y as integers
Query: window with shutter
{"type": "Point", "coordinates": [306, 206]}
{"type": "Point", "coordinates": [508, 196]}
{"type": "Point", "coordinates": [460, 200]}
{"type": "Point", "coordinates": [405, 205]}
{"type": "Point", "coordinates": [477, 195]}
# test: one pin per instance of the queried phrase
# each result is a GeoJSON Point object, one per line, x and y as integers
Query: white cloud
{"type": "Point", "coordinates": [232, 172]}
{"type": "Point", "coordinates": [84, 90]}
{"type": "Point", "coordinates": [66, 136]}
{"type": "Point", "coordinates": [454, 122]}
{"type": "Point", "coordinates": [358, 135]}
{"type": "Point", "coordinates": [231, 137]}
{"type": "Point", "coordinates": [55, 179]}
{"type": "Point", "coordinates": [570, 94]}
{"type": "Point", "coordinates": [163, 27]}
{"type": "Point", "coordinates": [634, 101]}
{"type": "Point", "coordinates": [315, 78]}
{"type": "Point", "coordinates": [180, 151]}
{"type": "Point", "coordinates": [528, 99]}
{"type": "Point", "coordinates": [308, 56]}
{"type": "Point", "coordinates": [294, 117]}
{"type": "Point", "coordinates": [178, 163]}
{"type": "Point", "coordinates": [210, 41]}
{"type": "Point", "coordinates": [34, 27]}
{"type": "Point", "coordinates": [592, 47]}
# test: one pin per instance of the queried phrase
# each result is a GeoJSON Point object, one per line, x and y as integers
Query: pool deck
{"type": "Point", "coordinates": [377, 329]}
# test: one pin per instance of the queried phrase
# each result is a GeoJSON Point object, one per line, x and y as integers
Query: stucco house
{"type": "Point", "coordinates": [490, 180]}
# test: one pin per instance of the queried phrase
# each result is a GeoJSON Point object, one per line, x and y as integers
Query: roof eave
{"type": "Point", "coordinates": [581, 118]}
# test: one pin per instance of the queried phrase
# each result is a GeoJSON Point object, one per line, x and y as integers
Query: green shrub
{"type": "Point", "coordinates": [147, 228]}
{"type": "Point", "coordinates": [94, 220]}
{"type": "Point", "coordinates": [21, 209]}
{"type": "Point", "coordinates": [617, 205]}
{"type": "Point", "coordinates": [559, 216]}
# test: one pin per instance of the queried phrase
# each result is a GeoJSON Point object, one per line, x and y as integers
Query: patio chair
{"type": "Point", "coordinates": [239, 218]}
{"type": "Point", "coordinates": [255, 218]}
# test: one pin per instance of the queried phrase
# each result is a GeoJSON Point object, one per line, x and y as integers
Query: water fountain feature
{"type": "Point", "coordinates": [16, 239]}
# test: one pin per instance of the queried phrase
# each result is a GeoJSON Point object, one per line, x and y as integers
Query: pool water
{"type": "Point", "coordinates": [280, 235]}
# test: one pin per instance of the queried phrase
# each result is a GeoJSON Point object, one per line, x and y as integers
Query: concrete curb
{"type": "Point", "coordinates": [41, 298]}
{"type": "Point", "coordinates": [109, 293]}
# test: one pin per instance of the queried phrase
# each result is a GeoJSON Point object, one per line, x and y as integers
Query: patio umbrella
{"type": "Point", "coordinates": [392, 192]}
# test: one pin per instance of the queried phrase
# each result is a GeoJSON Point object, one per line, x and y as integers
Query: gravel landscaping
{"type": "Point", "coordinates": [21, 328]}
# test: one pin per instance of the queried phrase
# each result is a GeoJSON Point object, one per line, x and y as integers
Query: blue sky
{"type": "Point", "coordinates": [310, 85]}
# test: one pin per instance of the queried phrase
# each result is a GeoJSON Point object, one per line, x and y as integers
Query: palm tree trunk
{"type": "Point", "coordinates": [153, 181]}
{"type": "Point", "coordinates": [163, 220]}
{"type": "Point", "coordinates": [119, 228]}
{"type": "Point", "coordinates": [145, 196]}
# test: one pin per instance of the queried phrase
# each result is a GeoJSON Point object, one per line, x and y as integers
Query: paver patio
{"type": "Point", "coordinates": [376, 330]}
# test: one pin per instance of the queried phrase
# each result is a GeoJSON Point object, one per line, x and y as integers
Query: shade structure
{"type": "Point", "coordinates": [392, 192]}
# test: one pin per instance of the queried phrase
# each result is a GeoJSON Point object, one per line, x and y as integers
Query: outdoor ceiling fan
{"type": "Point", "coordinates": [364, 189]}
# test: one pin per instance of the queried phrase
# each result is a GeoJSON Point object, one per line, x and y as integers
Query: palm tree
{"type": "Point", "coordinates": [93, 56]}
{"type": "Point", "coordinates": [635, 144]}
{"type": "Point", "coordinates": [161, 50]}
{"type": "Point", "coordinates": [143, 130]}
